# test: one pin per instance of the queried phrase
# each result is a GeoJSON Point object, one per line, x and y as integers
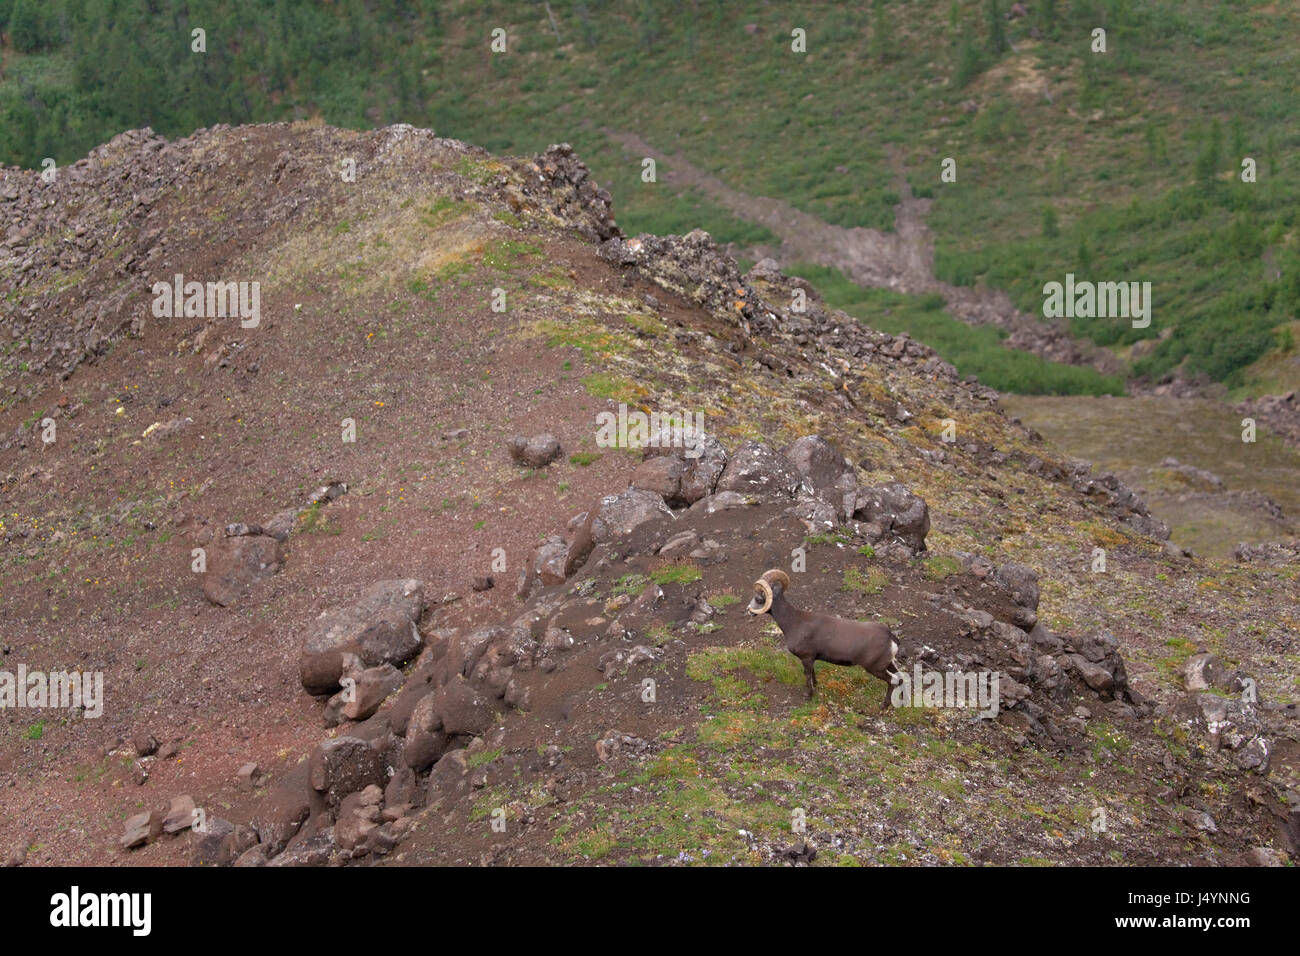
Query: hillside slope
{"type": "Point", "coordinates": [1117, 164]}
{"type": "Point", "coordinates": [377, 307]}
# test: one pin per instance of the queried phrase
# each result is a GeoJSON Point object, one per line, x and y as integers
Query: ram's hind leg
{"type": "Point", "coordinates": [811, 675]}
{"type": "Point", "coordinates": [891, 672]}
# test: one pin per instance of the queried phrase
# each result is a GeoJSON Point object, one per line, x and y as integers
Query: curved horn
{"type": "Point", "coordinates": [766, 590]}
{"type": "Point", "coordinates": [776, 575]}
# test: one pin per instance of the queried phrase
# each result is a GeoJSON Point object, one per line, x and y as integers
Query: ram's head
{"type": "Point", "coordinates": [763, 594]}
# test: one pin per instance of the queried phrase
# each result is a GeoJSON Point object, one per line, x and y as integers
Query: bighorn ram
{"type": "Point", "coordinates": [811, 637]}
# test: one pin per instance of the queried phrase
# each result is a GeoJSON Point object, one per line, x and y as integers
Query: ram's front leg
{"type": "Point", "coordinates": [891, 678]}
{"type": "Point", "coordinates": [811, 674]}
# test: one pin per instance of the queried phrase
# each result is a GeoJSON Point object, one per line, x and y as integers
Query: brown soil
{"type": "Point", "coordinates": [99, 529]}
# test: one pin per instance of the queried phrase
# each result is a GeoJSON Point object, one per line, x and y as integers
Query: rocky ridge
{"type": "Point", "coordinates": [862, 460]}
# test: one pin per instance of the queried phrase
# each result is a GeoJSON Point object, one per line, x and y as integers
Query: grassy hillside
{"type": "Point", "coordinates": [974, 350]}
{"type": "Point", "coordinates": [376, 298]}
{"type": "Point", "coordinates": [1121, 165]}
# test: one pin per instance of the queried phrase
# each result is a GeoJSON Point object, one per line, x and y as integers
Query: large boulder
{"type": "Point", "coordinates": [315, 849]}
{"type": "Point", "coordinates": [448, 776]}
{"type": "Point", "coordinates": [221, 843]}
{"type": "Point", "coordinates": [425, 739]}
{"type": "Point", "coordinates": [144, 827]}
{"type": "Point", "coordinates": [426, 715]}
{"type": "Point", "coordinates": [423, 749]}
{"type": "Point", "coordinates": [691, 265]}
{"type": "Point", "coordinates": [417, 687]}
{"type": "Point", "coordinates": [1233, 725]}
{"type": "Point", "coordinates": [210, 847]}
{"type": "Point", "coordinates": [345, 765]}
{"type": "Point", "coordinates": [900, 514]}
{"type": "Point", "coordinates": [1093, 674]}
{"type": "Point", "coordinates": [358, 817]}
{"type": "Point", "coordinates": [462, 709]}
{"type": "Point", "coordinates": [380, 629]}
{"type": "Point", "coordinates": [817, 514]}
{"type": "Point", "coordinates": [820, 465]}
{"type": "Point", "coordinates": [755, 469]}
{"type": "Point", "coordinates": [516, 644]}
{"type": "Point", "coordinates": [1044, 640]}
{"type": "Point", "coordinates": [372, 688]}
{"type": "Point", "coordinates": [554, 560]}
{"type": "Point", "coordinates": [236, 563]}
{"type": "Point", "coordinates": [616, 516]}
{"type": "Point", "coordinates": [420, 748]}
{"type": "Point", "coordinates": [1022, 583]}
{"type": "Point", "coordinates": [662, 474]}
{"type": "Point", "coordinates": [180, 816]}
{"type": "Point", "coordinates": [581, 544]}
{"type": "Point", "coordinates": [1203, 671]}
{"type": "Point", "coordinates": [1098, 662]}
{"type": "Point", "coordinates": [281, 813]}
{"type": "Point", "coordinates": [463, 652]}
{"type": "Point", "coordinates": [681, 465]}
{"type": "Point", "coordinates": [1269, 552]}
{"type": "Point", "coordinates": [560, 182]}
{"type": "Point", "coordinates": [548, 561]}
{"type": "Point", "coordinates": [536, 452]}
{"type": "Point", "coordinates": [403, 789]}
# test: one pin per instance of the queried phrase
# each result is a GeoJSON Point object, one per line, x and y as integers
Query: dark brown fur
{"type": "Point", "coordinates": [811, 636]}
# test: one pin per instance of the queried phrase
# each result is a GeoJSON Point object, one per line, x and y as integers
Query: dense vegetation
{"type": "Point", "coordinates": [1116, 166]}
{"type": "Point", "coordinates": [974, 350]}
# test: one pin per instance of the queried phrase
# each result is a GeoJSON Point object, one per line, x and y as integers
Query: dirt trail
{"type": "Point", "coordinates": [902, 261]}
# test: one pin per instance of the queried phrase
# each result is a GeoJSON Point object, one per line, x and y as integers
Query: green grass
{"type": "Point", "coordinates": [630, 583]}
{"type": "Point", "coordinates": [718, 666]}
{"type": "Point", "coordinates": [609, 385]}
{"type": "Point", "coordinates": [443, 210]}
{"type": "Point", "coordinates": [508, 254]}
{"type": "Point", "coordinates": [1200, 248]}
{"type": "Point", "coordinates": [940, 566]}
{"type": "Point", "coordinates": [872, 581]}
{"type": "Point", "coordinates": [973, 350]}
{"type": "Point", "coordinates": [482, 758]}
{"type": "Point", "coordinates": [311, 522]}
{"type": "Point", "coordinates": [828, 537]}
{"type": "Point", "coordinates": [476, 171]}
{"type": "Point", "coordinates": [676, 573]}
{"type": "Point", "coordinates": [1173, 663]}
{"type": "Point", "coordinates": [659, 635]}
{"type": "Point", "coordinates": [1132, 157]}
{"type": "Point", "coordinates": [1105, 738]}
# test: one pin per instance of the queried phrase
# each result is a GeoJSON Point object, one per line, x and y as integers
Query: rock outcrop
{"type": "Point", "coordinates": [380, 628]}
